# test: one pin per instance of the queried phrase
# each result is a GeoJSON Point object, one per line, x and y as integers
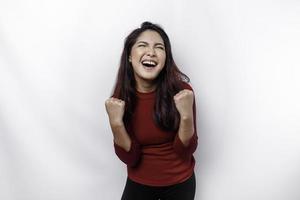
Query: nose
{"type": "Point", "coordinates": [150, 52]}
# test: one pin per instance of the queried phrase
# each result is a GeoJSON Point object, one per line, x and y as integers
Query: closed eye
{"type": "Point", "coordinates": [160, 47]}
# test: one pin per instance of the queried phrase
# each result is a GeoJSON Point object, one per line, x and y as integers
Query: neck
{"type": "Point", "coordinates": [145, 87]}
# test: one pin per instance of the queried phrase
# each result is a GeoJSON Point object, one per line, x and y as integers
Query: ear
{"type": "Point", "coordinates": [129, 58]}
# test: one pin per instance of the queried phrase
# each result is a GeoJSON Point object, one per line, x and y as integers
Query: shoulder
{"type": "Point", "coordinates": [186, 85]}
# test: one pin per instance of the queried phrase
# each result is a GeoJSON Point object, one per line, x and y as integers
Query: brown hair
{"type": "Point", "coordinates": [169, 82]}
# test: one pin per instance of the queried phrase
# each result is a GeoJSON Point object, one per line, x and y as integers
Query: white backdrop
{"type": "Point", "coordinates": [58, 63]}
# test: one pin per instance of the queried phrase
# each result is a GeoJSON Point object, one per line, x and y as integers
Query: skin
{"type": "Point", "coordinates": [149, 45]}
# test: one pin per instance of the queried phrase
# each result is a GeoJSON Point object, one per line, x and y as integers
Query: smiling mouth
{"type": "Point", "coordinates": [149, 63]}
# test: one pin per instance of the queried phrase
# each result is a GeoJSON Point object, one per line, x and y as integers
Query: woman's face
{"type": "Point", "coordinates": [147, 57]}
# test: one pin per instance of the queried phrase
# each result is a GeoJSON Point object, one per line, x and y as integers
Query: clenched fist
{"type": "Point", "coordinates": [115, 109]}
{"type": "Point", "coordinates": [184, 102]}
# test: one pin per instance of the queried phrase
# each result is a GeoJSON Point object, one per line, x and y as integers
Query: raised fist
{"type": "Point", "coordinates": [184, 102]}
{"type": "Point", "coordinates": [115, 109]}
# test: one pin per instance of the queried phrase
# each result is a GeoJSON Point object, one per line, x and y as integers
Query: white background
{"type": "Point", "coordinates": [58, 63]}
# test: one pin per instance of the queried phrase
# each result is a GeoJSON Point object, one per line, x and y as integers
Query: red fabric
{"type": "Point", "coordinates": [156, 157]}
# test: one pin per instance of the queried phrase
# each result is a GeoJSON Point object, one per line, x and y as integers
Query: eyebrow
{"type": "Point", "coordinates": [148, 43]}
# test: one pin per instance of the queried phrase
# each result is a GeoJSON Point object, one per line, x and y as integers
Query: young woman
{"type": "Point", "coordinates": [152, 114]}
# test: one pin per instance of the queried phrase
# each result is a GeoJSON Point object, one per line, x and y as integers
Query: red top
{"type": "Point", "coordinates": [156, 157]}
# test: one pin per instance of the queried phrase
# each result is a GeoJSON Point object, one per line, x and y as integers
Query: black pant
{"type": "Point", "coordinates": [180, 191]}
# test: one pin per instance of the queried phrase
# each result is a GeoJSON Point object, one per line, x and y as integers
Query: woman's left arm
{"type": "Point", "coordinates": [186, 139]}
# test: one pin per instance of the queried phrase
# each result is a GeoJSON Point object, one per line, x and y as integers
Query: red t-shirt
{"type": "Point", "coordinates": [156, 157]}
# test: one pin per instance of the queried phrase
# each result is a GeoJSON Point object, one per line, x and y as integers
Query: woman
{"type": "Point", "coordinates": [152, 114]}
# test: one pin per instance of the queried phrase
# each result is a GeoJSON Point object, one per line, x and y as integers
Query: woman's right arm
{"type": "Point", "coordinates": [121, 137]}
{"type": "Point", "coordinates": [127, 149]}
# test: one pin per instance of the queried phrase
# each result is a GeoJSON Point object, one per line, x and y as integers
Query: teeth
{"type": "Point", "coordinates": [149, 62]}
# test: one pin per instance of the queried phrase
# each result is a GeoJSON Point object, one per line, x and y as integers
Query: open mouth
{"type": "Point", "coordinates": [149, 63]}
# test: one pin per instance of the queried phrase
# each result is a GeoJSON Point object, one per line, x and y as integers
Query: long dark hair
{"type": "Point", "coordinates": [169, 82]}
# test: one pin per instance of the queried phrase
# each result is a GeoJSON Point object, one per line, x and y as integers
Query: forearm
{"type": "Point", "coordinates": [126, 148]}
{"type": "Point", "coordinates": [186, 139]}
{"type": "Point", "coordinates": [121, 137]}
{"type": "Point", "coordinates": [186, 129]}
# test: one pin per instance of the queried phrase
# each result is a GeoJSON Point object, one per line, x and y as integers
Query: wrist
{"type": "Point", "coordinates": [116, 124]}
{"type": "Point", "coordinates": [186, 117]}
